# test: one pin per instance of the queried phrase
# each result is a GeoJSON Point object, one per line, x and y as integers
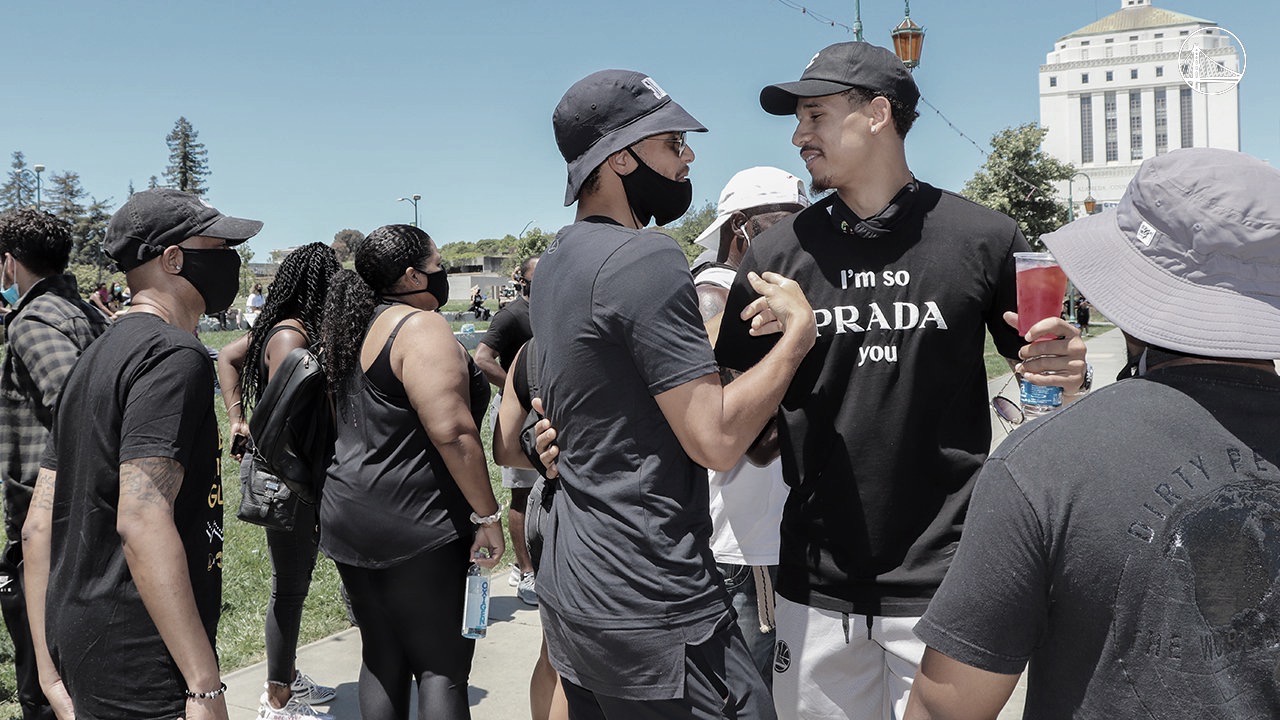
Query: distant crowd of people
{"type": "Point", "coordinates": [760, 487]}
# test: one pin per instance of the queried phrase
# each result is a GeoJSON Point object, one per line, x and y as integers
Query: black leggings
{"type": "Point", "coordinates": [293, 557]}
{"type": "Point", "coordinates": [411, 628]}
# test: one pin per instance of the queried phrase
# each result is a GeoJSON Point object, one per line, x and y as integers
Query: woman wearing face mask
{"type": "Point", "coordinates": [407, 503]}
{"type": "Point", "coordinates": [290, 319]}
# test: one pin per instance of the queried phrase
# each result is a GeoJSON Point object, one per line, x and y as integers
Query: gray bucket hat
{"type": "Point", "coordinates": [608, 111]}
{"type": "Point", "coordinates": [1190, 258]}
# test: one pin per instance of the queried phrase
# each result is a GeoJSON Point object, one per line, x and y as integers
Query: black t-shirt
{"type": "Point", "coordinates": [142, 390]}
{"type": "Point", "coordinates": [1139, 578]}
{"type": "Point", "coordinates": [509, 331]}
{"type": "Point", "coordinates": [886, 422]}
{"type": "Point", "coordinates": [627, 576]}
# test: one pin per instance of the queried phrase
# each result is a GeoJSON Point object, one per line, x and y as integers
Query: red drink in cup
{"type": "Point", "coordinates": [1041, 287]}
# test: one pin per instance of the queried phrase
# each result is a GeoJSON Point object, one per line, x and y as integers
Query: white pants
{"type": "Point", "coordinates": [829, 665]}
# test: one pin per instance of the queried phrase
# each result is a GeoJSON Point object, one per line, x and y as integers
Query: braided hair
{"type": "Point", "coordinates": [381, 259]}
{"type": "Point", "coordinates": [297, 293]}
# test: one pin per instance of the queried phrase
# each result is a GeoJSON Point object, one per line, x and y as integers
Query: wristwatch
{"type": "Point", "coordinates": [1087, 385]}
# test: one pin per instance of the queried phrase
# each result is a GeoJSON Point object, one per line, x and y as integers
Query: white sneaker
{"type": "Point", "coordinates": [514, 577]}
{"type": "Point", "coordinates": [292, 710]}
{"type": "Point", "coordinates": [528, 590]}
{"type": "Point", "coordinates": [309, 692]}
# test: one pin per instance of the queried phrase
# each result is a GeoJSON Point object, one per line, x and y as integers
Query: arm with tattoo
{"type": "Point", "coordinates": [35, 577]}
{"type": "Point", "coordinates": [154, 551]}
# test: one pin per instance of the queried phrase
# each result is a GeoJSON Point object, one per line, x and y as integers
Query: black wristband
{"type": "Point", "coordinates": [222, 690]}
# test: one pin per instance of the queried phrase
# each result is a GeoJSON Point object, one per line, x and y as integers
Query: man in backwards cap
{"type": "Point", "coordinates": [886, 422]}
{"type": "Point", "coordinates": [636, 618]}
{"type": "Point", "coordinates": [1142, 583]}
{"type": "Point", "coordinates": [124, 537]}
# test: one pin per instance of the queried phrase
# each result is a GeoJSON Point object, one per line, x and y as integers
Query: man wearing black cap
{"type": "Point", "coordinates": [636, 618]}
{"type": "Point", "coordinates": [124, 538]}
{"type": "Point", "coordinates": [886, 421]}
{"type": "Point", "coordinates": [1142, 583]}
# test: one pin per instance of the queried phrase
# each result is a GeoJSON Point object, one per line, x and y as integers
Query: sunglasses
{"type": "Point", "coordinates": [678, 143]}
{"type": "Point", "coordinates": [1009, 411]}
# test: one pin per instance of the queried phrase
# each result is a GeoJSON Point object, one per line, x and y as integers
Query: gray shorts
{"type": "Point", "coordinates": [512, 478]}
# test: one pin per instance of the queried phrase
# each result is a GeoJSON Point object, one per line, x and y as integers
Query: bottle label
{"type": "Point", "coordinates": [1039, 398]}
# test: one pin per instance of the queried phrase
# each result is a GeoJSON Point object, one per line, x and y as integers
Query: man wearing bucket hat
{"type": "Point", "coordinates": [746, 501]}
{"type": "Point", "coordinates": [635, 614]}
{"type": "Point", "coordinates": [1143, 582]}
{"type": "Point", "coordinates": [886, 423]}
{"type": "Point", "coordinates": [123, 540]}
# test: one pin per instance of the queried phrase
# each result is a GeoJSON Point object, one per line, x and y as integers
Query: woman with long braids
{"type": "Point", "coordinates": [407, 504]}
{"type": "Point", "coordinates": [290, 318]}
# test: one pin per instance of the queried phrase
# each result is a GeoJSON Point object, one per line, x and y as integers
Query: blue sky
{"type": "Point", "coordinates": [318, 115]}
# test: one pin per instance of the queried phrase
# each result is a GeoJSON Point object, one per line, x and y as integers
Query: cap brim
{"type": "Point", "coordinates": [233, 230]}
{"type": "Point", "coordinates": [710, 238]}
{"type": "Point", "coordinates": [1153, 305]}
{"type": "Point", "coordinates": [667, 118]}
{"type": "Point", "coordinates": [781, 99]}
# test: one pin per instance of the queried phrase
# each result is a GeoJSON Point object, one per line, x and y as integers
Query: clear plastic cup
{"type": "Point", "coordinates": [1041, 287]}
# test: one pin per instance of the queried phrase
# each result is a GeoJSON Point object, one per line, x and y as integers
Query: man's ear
{"type": "Point", "coordinates": [171, 260]}
{"type": "Point", "coordinates": [621, 163]}
{"type": "Point", "coordinates": [881, 114]}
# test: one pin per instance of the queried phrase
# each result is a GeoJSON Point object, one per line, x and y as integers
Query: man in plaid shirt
{"type": "Point", "coordinates": [48, 329]}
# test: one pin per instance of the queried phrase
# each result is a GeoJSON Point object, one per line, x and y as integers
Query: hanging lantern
{"type": "Point", "coordinates": [1090, 205]}
{"type": "Point", "coordinates": [908, 39]}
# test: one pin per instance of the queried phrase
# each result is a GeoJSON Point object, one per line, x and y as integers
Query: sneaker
{"type": "Point", "coordinates": [292, 710]}
{"type": "Point", "coordinates": [307, 691]}
{"type": "Point", "coordinates": [528, 590]}
{"type": "Point", "coordinates": [514, 577]}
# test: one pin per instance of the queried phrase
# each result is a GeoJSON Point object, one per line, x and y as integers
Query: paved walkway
{"type": "Point", "coordinates": [504, 659]}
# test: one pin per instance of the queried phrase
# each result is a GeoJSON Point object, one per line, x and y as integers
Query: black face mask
{"type": "Point", "coordinates": [215, 274]}
{"type": "Point", "coordinates": [437, 285]}
{"type": "Point", "coordinates": [653, 196]}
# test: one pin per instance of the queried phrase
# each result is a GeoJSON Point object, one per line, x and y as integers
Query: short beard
{"type": "Point", "coordinates": [819, 185]}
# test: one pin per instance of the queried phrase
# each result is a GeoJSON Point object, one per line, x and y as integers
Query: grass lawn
{"type": "Point", "coordinates": [247, 576]}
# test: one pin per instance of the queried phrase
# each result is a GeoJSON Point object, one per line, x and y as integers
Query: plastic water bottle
{"type": "Point", "coordinates": [475, 607]}
{"type": "Point", "coordinates": [1038, 400]}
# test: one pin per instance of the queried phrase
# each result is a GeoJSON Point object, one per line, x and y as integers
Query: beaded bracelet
{"type": "Point", "coordinates": [487, 519]}
{"type": "Point", "coordinates": [222, 690]}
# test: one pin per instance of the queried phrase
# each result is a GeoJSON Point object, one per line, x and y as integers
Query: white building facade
{"type": "Point", "coordinates": [1112, 94]}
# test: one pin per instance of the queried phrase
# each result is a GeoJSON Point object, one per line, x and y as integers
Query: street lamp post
{"type": "Point", "coordinates": [1090, 206]}
{"type": "Point", "coordinates": [39, 169]}
{"type": "Point", "coordinates": [413, 199]}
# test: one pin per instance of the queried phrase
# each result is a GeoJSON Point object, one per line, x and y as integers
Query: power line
{"type": "Point", "coordinates": [816, 16]}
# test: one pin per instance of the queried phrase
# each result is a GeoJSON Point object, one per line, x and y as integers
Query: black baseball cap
{"type": "Point", "coordinates": [842, 66]}
{"type": "Point", "coordinates": [610, 110]}
{"type": "Point", "coordinates": [152, 220]}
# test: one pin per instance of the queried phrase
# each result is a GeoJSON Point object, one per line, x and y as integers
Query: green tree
{"type": "Point", "coordinates": [152, 183]}
{"type": "Point", "coordinates": [689, 227]}
{"type": "Point", "coordinates": [533, 242]}
{"type": "Point", "coordinates": [188, 159]}
{"type": "Point", "coordinates": [246, 274]}
{"type": "Point", "coordinates": [88, 232]}
{"type": "Point", "coordinates": [131, 191]}
{"type": "Point", "coordinates": [63, 196]}
{"type": "Point", "coordinates": [344, 243]}
{"type": "Point", "coordinates": [1017, 180]}
{"type": "Point", "coordinates": [20, 189]}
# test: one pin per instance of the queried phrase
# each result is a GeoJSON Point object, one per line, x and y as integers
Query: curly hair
{"type": "Point", "coordinates": [38, 240]}
{"type": "Point", "coordinates": [381, 259]}
{"type": "Point", "coordinates": [904, 116]}
{"type": "Point", "coordinates": [298, 293]}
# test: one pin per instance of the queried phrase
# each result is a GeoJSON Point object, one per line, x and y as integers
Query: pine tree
{"type": "Point", "coordinates": [1017, 180]}
{"type": "Point", "coordinates": [152, 183]}
{"type": "Point", "coordinates": [20, 190]}
{"type": "Point", "coordinates": [130, 188]}
{"type": "Point", "coordinates": [87, 236]}
{"type": "Point", "coordinates": [188, 160]}
{"type": "Point", "coordinates": [63, 196]}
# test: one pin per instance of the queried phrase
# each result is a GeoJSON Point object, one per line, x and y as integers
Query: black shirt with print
{"type": "Point", "coordinates": [886, 422]}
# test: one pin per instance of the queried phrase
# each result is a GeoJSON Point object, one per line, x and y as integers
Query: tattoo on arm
{"type": "Point", "coordinates": [709, 305]}
{"type": "Point", "coordinates": [151, 480]}
{"type": "Point", "coordinates": [42, 498]}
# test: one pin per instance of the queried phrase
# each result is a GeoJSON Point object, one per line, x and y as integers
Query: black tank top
{"type": "Point", "coordinates": [388, 496]}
